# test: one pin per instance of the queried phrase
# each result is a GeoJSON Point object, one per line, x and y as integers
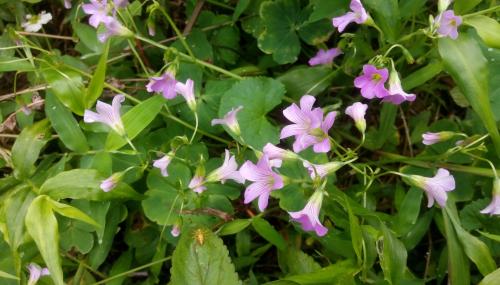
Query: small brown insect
{"type": "Point", "coordinates": [199, 236]}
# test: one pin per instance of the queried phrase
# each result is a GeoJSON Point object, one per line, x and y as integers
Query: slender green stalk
{"type": "Point", "coordinates": [485, 11]}
{"type": "Point", "coordinates": [181, 37]}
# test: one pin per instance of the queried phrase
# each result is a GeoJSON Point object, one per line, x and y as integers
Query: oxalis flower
{"type": "Point", "coordinates": [113, 28]}
{"type": "Point", "coordinates": [34, 22]}
{"type": "Point", "coordinates": [276, 155]}
{"type": "Point", "coordinates": [494, 207]}
{"type": "Point", "coordinates": [357, 15]}
{"type": "Point", "coordinates": [357, 112]}
{"type": "Point", "coordinates": [110, 183]}
{"type": "Point", "coordinates": [308, 126]}
{"type": "Point", "coordinates": [264, 178]}
{"type": "Point", "coordinates": [107, 114]}
{"type": "Point", "coordinates": [164, 84]}
{"type": "Point", "coordinates": [163, 163]}
{"type": "Point", "coordinates": [372, 81]}
{"type": "Point", "coordinates": [228, 170]}
{"type": "Point", "coordinates": [197, 184]}
{"type": "Point", "coordinates": [309, 216]}
{"type": "Point", "coordinates": [98, 11]}
{"type": "Point", "coordinates": [36, 272]}
{"type": "Point", "coordinates": [448, 24]}
{"type": "Point", "coordinates": [187, 91]}
{"type": "Point", "coordinates": [435, 187]}
{"type": "Point", "coordinates": [396, 94]}
{"type": "Point", "coordinates": [176, 230]}
{"type": "Point", "coordinates": [430, 138]}
{"type": "Point", "coordinates": [230, 120]}
{"type": "Point", "coordinates": [322, 170]}
{"type": "Point", "coordinates": [324, 56]}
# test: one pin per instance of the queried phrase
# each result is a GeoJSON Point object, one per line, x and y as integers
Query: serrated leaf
{"type": "Point", "coordinates": [267, 231]}
{"type": "Point", "coordinates": [201, 258]}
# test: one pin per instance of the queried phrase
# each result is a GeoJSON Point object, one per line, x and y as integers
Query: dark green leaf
{"type": "Point", "coordinates": [96, 84]}
{"type": "Point", "coordinates": [307, 80]}
{"type": "Point", "coordinates": [392, 254]}
{"type": "Point", "coordinates": [386, 15]}
{"type": "Point", "coordinates": [267, 231]}
{"type": "Point", "coordinates": [234, 227]}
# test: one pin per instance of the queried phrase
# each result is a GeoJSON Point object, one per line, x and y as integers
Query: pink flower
{"type": "Point", "coordinates": [113, 28]}
{"type": "Point", "coordinates": [120, 3]}
{"type": "Point", "coordinates": [494, 207]}
{"type": "Point", "coordinates": [98, 10]}
{"type": "Point", "coordinates": [230, 120]}
{"type": "Point", "coordinates": [163, 163]}
{"type": "Point", "coordinates": [358, 15]}
{"type": "Point", "coordinates": [276, 155]}
{"type": "Point", "coordinates": [197, 184]}
{"type": "Point", "coordinates": [36, 272]}
{"type": "Point", "coordinates": [372, 82]}
{"type": "Point", "coordinates": [165, 84]}
{"type": "Point", "coordinates": [309, 216]}
{"type": "Point", "coordinates": [265, 181]}
{"type": "Point", "coordinates": [107, 114]}
{"type": "Point", "coordinates": [187, 91]}
{"type": "Point", "coordinates": [111, 182]}
{"type": "Point", "coordinates": [357, 112]}
{"type": "Point", "coordinates": [67, 4]}
{"type": "Point", "coordinates": [435, 187]}
{"type": "Point", "coordinates": [228, 170]}
{"type": "Point", "coordinates": [308, 126]}
{"type": "Point", "coordinates": [432, 138]}
{"type": "Point", "coordinates": [448, 24]}
{"type": "Point", "coordinates": [325, 56]}
{"type": "Point", "coordinates": [322, 170]}
{"type": "Point", "coordinates": [176, 230]}
{"type": "Point", "coordinates": [396, 93]}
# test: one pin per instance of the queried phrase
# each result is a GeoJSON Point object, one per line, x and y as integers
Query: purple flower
{"type": "Point", "coordinates": [308, 126]}
{"type": "Point", "coordinates": [357, 112]}
{"type": "Point", "coordinates": [265, 181]}
{"type": "Point", "coordinates": [163, 163]}
{"type": "Point", "coordinates": [358, 15]}
{"type": "Point", "coordinates": [432, 138]}
{"type": "Point", "coordinates": [448, 24]}
{"type": "Point", "coordinates": [176, 230]}
{"type": "Point", "coordinates": [107, 114]}
{"type": "Point", "coordinates": [113, 28]}
{"type": "Point", "coordinates": [187, 91]}
{"type": "Point", "coordinates": [110, 183]}
{"type": "Point", "coordinates": [372, 81]}
{"type": "Point", "coordinates": [36, 272]}
{"type": "Point", "coordinates": [164, 84]}
{"type": "Point", "coordinates": [435, 187]}
{"type": "Point", "coordinates": [98, 9]}
{"type": "Point", "coordinates": [197, 184]}
{"type": "Point", "coordinates": [322, 170]}
{"type": "Point", "coordinates": [276, 154]}
{"type": "Point", "coordinates": [228, 170]}
{"type": "Point", "coordinates": [309, 216]}
{"type": "Point", "coordinates": [120, 3]}
{"type": "Point", "coordinates": [230, 120]}
{"type": "Point", "coordinates": [325, 56]}
{"type": "Point", "coordinates": [494, 207]}
{"type": "Point", "coordinates": [67, 4]}
{"type": "Point", "coordinates": [396, 93]}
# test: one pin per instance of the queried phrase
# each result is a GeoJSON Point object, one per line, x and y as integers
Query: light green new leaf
{"type": "Point", "coordinates": [465, 62]}
{"type": "Point", "coordinates": [72, 213]}
{"type": "Point", "coordinates": [491, 279]}
{"type": "Point", "coordinates": [6, 275]}
{"type": "Point", "coordinates": [64, 124]}
{"type": "Point", "coordinates": [267, 231]}
{"type": "Point", "coordinates": [201, 258]}
{"type": "Point", "coordinates": [487, 28]}
{"type": "Point", "coordinates": [136, 120]}
{"type": "Point", "coordinates": [96, 84]}
{"type": "Point", "coordinates": [27, 148]}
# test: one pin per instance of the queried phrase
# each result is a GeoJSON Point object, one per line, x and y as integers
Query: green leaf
{"type": "Point", "coordinates": [15, 207]}
{"type": "Point", "coordinates": [84, 184]}
{"type": "Point", "coordinates": [307, 80]}
{"type": "Point", "coordinates": [487, 28]}
{"type": "Point", "coordinates": [122, 264]}
{"type": "Point", "coordinates": [96, 84]}
{"type": "Point", "coordinates": [463, 6]}
{"type": "Point", "coordinates": [41, 224]}
{"type": "Point", "coordinates": [293, 261]}
{"type": "Point", "coordinates": [258, 96]}
{"type": "Point", "coordinates": [6, 275]}
{"type": "Point", "coordinates": [409, 211]}
{"type": "Point", "coordinates": [267, 231]}
{"type": "Point", "coordinates": [392, 254]}
{"type": "Point", "coordinates": [136, 120]}
{"type": "Point", "coordinates": [386, 15]}
{"type": "Point", "coordinates": [491, 279]}
{"type": "Point", "coordinates": [327, 9]}
{"type": "Point", "coordinates": [465, 62]}
{"type": "Point", "coordinates": [72, 213]}
{"type": "Point", "coordinates": [422, 75]}
{"type": "Point", "coordinates": [240, 8]}
{"type": "Point", "coordinates": [10, 63]}
{"type": "Point", "coordinates": [27, 147]}
{"type": "Point", "coordinates": [64, 124]}
{"type": "Point", "coordinates": [234, 227]}
{"type": "Point", "coordinates": [356, 233]}
{"type": "Point", "coordinates": [458, 263]}
{"type": "Point", "coordinates": [341, 272]}
{"type": "Point", "coordinates": [201, 258]}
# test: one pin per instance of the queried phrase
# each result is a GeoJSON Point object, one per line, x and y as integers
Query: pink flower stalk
{"type": "Point", "coordinates": [265, 181]}
{"type": "Point", "coordinates": [107, 114]}
{"type": "Point", "coordinates": [309, 216]}
{"type": "Point", "coordinates": [164, 84]}
{"type": "Point", "coordinates": [325, 56]}
{"type": "Point", "coordinates": [228, 170]}
{"type": "Point", "coordinates": [435, 187]}
{"type": "Point", "coordinates": [163, 163]}
{"type": "Point", "coordinates": [176, 230]}
{"type": "Point", "coordinates": [308, 126]}
{"type": "Point", "coordinates": [357, 15]}
{"type": "Point", "coordinates": [36, 272]}
{"type": "Point", "coordinates": [372, 81]}
{"type": "Point", "coordinates": [494, 207]}
{"type": "Point", "coordinates": [230, 120]}
{"type": "Point", "coordinates": [448, 24]}
{"type": "Point", "coordinates": [113, 28]}
{"type": "Point", "coordinates": [432, 138]}
{"type": "Point", "coordinates": [197, 184]}
{"type": "Point", "coordinates": [187, 91]}
{"type": "Point", "coordinates": [357, 112]}
{"type": "Point", "coordinates": [322, 170]}
{"type": "Point", "coordinates": [98, 9]}
{"type": "Point", "coordinates": [396, 94]}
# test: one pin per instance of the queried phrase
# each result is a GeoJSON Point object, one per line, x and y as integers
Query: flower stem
{"type": "Point", "coordinates": [195, 127]}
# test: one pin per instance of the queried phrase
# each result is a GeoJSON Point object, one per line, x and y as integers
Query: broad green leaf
{"type": "Point", "coordinates": [386, 16]}
{"type": "Point", "coordinates": [74, 238]}
{"type": "Point", "coordinates": [96, 84]}
{"type": "Point", "coordinates": [409, 211]}
{"type": "Point", "coordinates": [392, 254]}
{"type": "Point", "coordinates": [72, 212]}
{"type": "Point", "coordinates": [293, 261]}
{"type": "Point", "coordinates": [487, 28]}
{"type": "Point", "coordinates": [267, 231]}
{"type": "Point", "coordinates": [327, 9]}
{"type": "Point", "coordinates": [458, 263]}
{"type": "Point", "coordinates": [84, 184]}
{"type": "Point", "coordinates": [6, 275]}
{"type": "Point", "coordinates": [307, 80]}
{"type": "Point", "coordinates": [64, 124]}
{"type": "Point", "coordinates": [258, 96]}
{"type": "Point", "coordinates": [15, 207]}
{"type": "Point", "coordinates": [136, 120]}
{"type": "Point", "coordinates": [463, 6]}
{"type": "Point", "coordinates": [234, 227]}
{"type": "Point", "coordinates": [465, 62]}
{"type": "Point", "coordinates": [201, 258]}
{"type": "Point", "coordinates": [27, 148]}
{"type": "Point", "coordinates": [42, 226]}
{"type": "Point", "coordinates": [88, 37]}
{"type": "Point", "coordinates": [422, 75]}
{"type": "Point", "coordinates": [341, 272]}
{"type": "Point", "coordinates": [491, 279]}
{"type": "Point", "coordinates": [418, 231]}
